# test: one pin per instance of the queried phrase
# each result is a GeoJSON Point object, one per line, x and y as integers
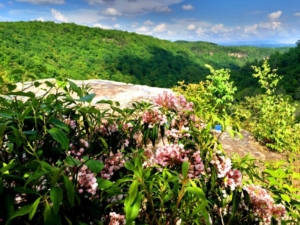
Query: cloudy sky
{"type": "Point", "coordinates": [192, 20]}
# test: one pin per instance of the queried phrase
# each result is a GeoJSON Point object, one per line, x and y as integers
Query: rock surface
{"type": "Point", "coordinates": [125, 94]}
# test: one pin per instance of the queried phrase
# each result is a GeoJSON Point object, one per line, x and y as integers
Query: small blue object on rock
{"type": "Point", "coordinates": [218, 127]}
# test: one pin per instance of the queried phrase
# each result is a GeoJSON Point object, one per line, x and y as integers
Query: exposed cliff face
{"type": "Point", "coordinates": [125, 94]}
{"type": "Point", "coordinates": [237, 54]}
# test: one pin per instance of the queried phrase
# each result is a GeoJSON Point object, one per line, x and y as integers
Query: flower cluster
{"type": "Point", "coordinates": [116, 219]}
{"type": "Point", "coordinates": [222, 164]}
{"type": "Point", "coordinates": [87, 181]}
{"type": "Point", "coordinates": [78, 152]}
{"type": "Point", "coordinates": [263, 204]}
{"type": "Point", "coordinates": [152, 117]}
{"type": "Point", "coordinates": [232, 177]}
{"type": "Point", "coordinates": [175, 134]}
{"type": "Point", "coordinates": [70, 122]}
{"type": "Point", "coordinates": [168, 100]}
{"type": "Point", "coordinates": [196, 166]}
{"type": "Point", "coordinates": [170, 155]}
{"type": "Point", "coordinates": [112, 163]}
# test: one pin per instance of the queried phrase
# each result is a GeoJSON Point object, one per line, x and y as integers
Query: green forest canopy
{"type": "Point", "coordinates": [33, 50]}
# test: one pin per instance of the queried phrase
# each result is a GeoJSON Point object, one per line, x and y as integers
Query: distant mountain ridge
{"type": "Point", "coordinates": [266, 44]}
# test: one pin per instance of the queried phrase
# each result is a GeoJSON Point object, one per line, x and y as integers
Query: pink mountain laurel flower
{"type": "Point", "coordinates": [233, 179]}
{"type": "Point", "coordinates": [152, 117]}
{"type": "Point", "coordinates": [263, 204]}
{"type": "Point", "coordinates": [196, 167]}
{"type": "Point", "coordinates": [170, 155]}
{"type": "Point", "coordinates": [111, 164]}
{"type": "Point", "coordinates": [86, 181]}
{"type": "Point", "coordinates": [222, 164]}
{"type": "Point", "coordinates": [168, 100]}
{"type": "Point", "coordinates": [116, 219]}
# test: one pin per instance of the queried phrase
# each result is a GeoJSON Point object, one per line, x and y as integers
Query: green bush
{"type": "Point", "coordinates": [65, 161]}
{"type": "Point", "coordinates": [270, 117]}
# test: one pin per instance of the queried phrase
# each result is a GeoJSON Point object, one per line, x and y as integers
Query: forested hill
{"type": "Point", "coordinates": [32, 50]}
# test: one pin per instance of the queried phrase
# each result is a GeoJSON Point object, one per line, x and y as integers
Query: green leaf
{"type": "Point", "coordinates": [30, 132]}
{"type": "Point", "coordinates": [48, 215]}
{"type": "Point", "coordinates": [75, 88]}
{"type": "Point", "coordinates": [185, 168]}
{"type": "Point", "coordinates": [197, 191]}
{"type": "Point", "coordinates": [103, 183]}
{"type": "Point", "coordinates": [72, 162]}
{"type": "Point", "coordinates": [133, 190]}
{"type": "Point", "coordinates": [25, 190]}
{"type": "Point", "coordinates": [7, 114]}
{"type": "Point", "coordinates": [55, 176]}
{"type": "Point", "coordinates": [35, 176]}
{"type": "Point", "coordinates": [1, 186]}
{"type": "Point", "coordinates": [25, 112]}
{"type": "Point", "coordinates": [22, 93]}
{"type": "Point", "coordinates": [132, 211]}
{"type": "Point", "coordinates": [56, 195]}
{"type": "Point", "coordinates": [59, 124]}
{"type": "Point", "coordinates": [34, 208]}
{"type": "Point", "coordinates": [104, 143]}
{"type": "Point", "coordinates": [60, 137]}
{"type": "Point", "coordinates": [117, 110]}
{"type": "Point", "coordinates": [87, 98]}
{"type": "Point", "coordinates": [11, 87]}
{"type": "Point", "coordinates": [2, 130]}
{"type": "Point", "coordinates": [8, 201]}
{"type": "Point", "coordinates": [20, 212]}
{"type": "Point", "coordinates": [95, 165]}
{"type": "Point", "coordinates": [105, 102]}
{"type": "Point", "coordinates": [285, 197]}
{"type": "Point", "coordinates": [70, 190]}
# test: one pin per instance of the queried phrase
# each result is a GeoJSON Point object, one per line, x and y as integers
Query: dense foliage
{"type": "Point", "coordinates": [287, 65]}
{"type": "Point", "coordinates": [36, 50]}
{"type": "Point", "coordinates": [64, 161]}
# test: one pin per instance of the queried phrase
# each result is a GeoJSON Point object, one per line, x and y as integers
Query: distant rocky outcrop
{"type": "Point", "coordinates": [237, 54]}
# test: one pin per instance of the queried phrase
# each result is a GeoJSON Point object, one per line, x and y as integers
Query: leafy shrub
{"type": "Point", "coordinates": [65, 161]}
{"type": "Point", "coordinates": [270, 117]}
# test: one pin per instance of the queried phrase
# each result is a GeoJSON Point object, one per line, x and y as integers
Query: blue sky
{"type": "Point", "coordinates": [192, 20]}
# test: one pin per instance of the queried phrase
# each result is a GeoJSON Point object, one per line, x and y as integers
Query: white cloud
{"type": "Point", "coordinates": [1, 5]}
{"type": "Point", "coordinates": [251, 29]}
{"type": "Point", "coordinates": [99, 25]}
{"type": "Point", "coordinates": [43, 2]}
{"type": "Point", "coordinates": [148, 23]}
{"type": "Point", "coordinates": [191, 27]}
{"type": "Point", "coordinates": [171, 33]}
{"type": "Point", "coordinates": [59, 16]}
{"type": "Point", "coordinates": [270, 25]}
{"type": "Point", "coordinates": [138, 7]}
{"type": "Point", "coordinates": [111, 12]}
{"type": "Point", "coordinates": [134, 24]}
{"type": "Point", "coordinates": [297, 14]}
{"type": "Point", "coordinates": [85, 16]}
{"type": "Point", "coordinates": [117, 26]}
{"type": "Point", "coordinates": [93, 2]}
{"type": "Point", "coordinates": [41, 19]}
{"type": "Point", "coordinates": [142, 29]}
{"type": "Point", "coordinates": [164, 9]}
{"type": "Point", "coordinates": [275, 15]}
{"type": "Point", "coordinates": [200, 31]}
{"type": "Point", "coordinates": [219, 28]}
{"type": "Point", "coordinates": [160, 28]}
{"type": "Point", "coordinates": [262, 27]}
{"type": "Point", "coordinates": [187, 7]}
